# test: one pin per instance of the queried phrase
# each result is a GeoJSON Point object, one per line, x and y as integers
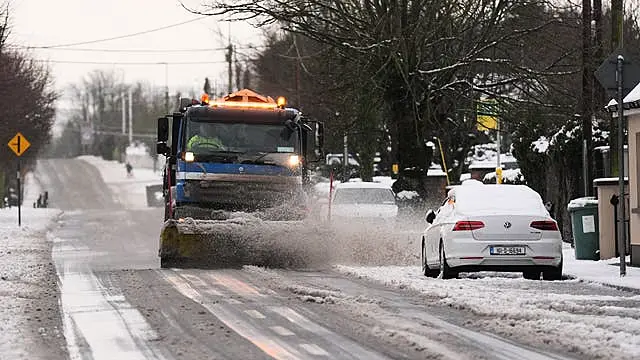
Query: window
{"type": "Point", "coordinates": [364, 196]}
{"type": "Point", "coordinates": [245, 138]}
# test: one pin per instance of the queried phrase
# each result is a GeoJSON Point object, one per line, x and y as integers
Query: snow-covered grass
{"type": "Point", "coordinates": [33, 220]}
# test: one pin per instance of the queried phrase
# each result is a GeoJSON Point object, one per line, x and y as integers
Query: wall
{"type": "Point", "coordinates": [606, 223]}
{"type": "Point", "coordinates": [634, 170]}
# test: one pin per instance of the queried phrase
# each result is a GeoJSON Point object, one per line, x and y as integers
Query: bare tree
{"type": "Point", "coordinates": [419, 55]}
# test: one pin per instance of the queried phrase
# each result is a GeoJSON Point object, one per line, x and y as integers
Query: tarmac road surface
{"type": "Point", "coordinates": [118, 304]}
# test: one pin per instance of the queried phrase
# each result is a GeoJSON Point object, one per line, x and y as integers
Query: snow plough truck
{"type": "Point", "coordinates": [235, 174]}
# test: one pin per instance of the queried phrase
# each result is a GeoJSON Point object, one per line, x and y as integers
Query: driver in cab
{"type": "Point", "coordinates": [205, 140]}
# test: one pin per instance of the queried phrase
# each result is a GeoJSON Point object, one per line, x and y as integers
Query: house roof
{"type": "Point", "coordinates": [631, 101]}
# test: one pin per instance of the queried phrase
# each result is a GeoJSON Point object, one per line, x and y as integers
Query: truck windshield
{"type": "Point", "coordinates": [203, 137]}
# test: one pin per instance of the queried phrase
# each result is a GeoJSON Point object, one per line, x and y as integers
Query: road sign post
{"type": "Point", "coordinates": [622, 231]}
{"type": "Point", "coordinates": [19, 144]}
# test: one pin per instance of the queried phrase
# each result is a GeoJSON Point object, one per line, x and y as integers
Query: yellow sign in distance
{"type": "Point", "coordinates": [19, 144]}
{"type": "Point", "coordinates": [498, 175]}
{"type": "Point", "coordinates": [487, 114]}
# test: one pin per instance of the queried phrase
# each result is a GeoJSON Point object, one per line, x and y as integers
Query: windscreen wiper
{"type": "Point", "coordinates": [258, 160]}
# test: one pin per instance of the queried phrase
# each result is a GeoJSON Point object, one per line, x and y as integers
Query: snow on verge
{"type": "Point", "coordinates": [531, 311]}
{"type": "Point", "coordinates": [606, 272]}
{"type": "Point", "coordinates": [29, 327]}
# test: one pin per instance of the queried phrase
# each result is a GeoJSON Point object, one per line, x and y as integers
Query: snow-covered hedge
{"type": "Point", "coordinates": [512, 177]}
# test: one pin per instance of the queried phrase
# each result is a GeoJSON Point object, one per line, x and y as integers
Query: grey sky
{"type": "Point", "coordinates": [47, 22]}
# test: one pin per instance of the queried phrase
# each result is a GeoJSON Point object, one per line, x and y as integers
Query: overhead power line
{"type": "Point", "coordinates": [132, 50]}
{"type": "Point", "coordinates": [119, 37]}
{"type": "Point", "coordinates": [130, 63]}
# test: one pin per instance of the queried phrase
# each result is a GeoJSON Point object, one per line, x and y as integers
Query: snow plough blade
{"type": "Point", "coordinates": [189, 243]}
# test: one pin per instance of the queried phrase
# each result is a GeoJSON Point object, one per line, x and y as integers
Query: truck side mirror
{"type": "Point", "coordinates": [162, 148]}
{"type": "Point", "coordinates": [163, 130]}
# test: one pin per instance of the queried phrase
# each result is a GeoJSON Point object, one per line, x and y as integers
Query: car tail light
{"type": "Point", "coordinates": [468, 225]}
{"type": "Point", "coordinates": [547, 225]}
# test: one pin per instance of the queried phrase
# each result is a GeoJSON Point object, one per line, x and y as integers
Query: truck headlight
{"type": "Point", "coordinates": [189, 157]}
{"type": "Point", "coordinates": [294, 160]}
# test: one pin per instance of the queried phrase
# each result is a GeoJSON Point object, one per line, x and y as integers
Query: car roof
{"type": "Point", "coordinates": [362, 185]}
{"type": "Point", "coordinates": [503, 198]}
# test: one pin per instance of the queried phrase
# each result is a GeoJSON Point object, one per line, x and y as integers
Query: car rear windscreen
{"type": "Point", "coordinates": [511, 199]}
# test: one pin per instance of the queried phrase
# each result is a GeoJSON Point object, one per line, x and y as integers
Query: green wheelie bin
{"type": "Point", "coordinates": [584, 225]}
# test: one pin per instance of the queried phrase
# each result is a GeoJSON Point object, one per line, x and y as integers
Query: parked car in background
{"type": "Point", "coordinates": [492, 227]}
{"type": "Point", "coordinates": [362, 201]}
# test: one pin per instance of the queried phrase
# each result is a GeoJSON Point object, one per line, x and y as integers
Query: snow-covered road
{"type": "Point", "coordinates": [588, 319]}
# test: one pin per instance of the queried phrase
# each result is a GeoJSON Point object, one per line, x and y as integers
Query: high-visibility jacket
{"type": "Point", "coordinates": [202, 141]}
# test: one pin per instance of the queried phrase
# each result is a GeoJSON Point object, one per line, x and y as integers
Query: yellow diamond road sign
{"type": "Point", "coordinates": [19, 144]}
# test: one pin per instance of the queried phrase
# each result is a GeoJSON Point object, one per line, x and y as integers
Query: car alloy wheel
{"type": "Point", "coordinates": [426, 270]}
{"type": "Point", "coordinates": [423, 260]}
{"type": "Point", "coordinates": [445, 270]}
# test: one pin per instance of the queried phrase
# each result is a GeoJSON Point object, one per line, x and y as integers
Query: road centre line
{"type": "Point", "coordinates": [235, 285]}
{"type": "Point", "coordinates": [282, 331]}
{"type": "Point", "coordinates": [268, 344]}
{"type": "Point", "coordinates": [255, 314]}
{"type": "Point", "coordinates": [314, 349]}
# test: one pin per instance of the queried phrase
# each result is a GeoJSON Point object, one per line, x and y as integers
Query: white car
{"type": "Point", "coordinates": [362, 201]}
{"type": "Point", "coordinates": [494, 228]}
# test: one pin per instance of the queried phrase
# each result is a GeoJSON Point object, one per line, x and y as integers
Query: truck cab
{"type": "Point", "coordinates": [241, 153]}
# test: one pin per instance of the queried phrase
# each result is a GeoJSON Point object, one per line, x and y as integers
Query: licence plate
{"type": "Point", "coordinates": [507, 250]}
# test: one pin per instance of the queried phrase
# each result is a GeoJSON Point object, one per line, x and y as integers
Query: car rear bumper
{"type": "Point", "coordinates": [474, 255]}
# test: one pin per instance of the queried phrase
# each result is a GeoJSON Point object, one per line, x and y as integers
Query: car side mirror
{"type": "Point", "coordinates": [430, 216]}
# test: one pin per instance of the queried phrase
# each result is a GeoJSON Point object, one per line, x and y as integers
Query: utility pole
{"type": "Point", "coordinates": [230, 62]}
{"type": "Point", "coordinates": [345, 159]}
{"type": "Point", "coordinates": [130, 116]}
{"type": "Point", "coordinates": [238, 71]}
{"type": "Point", "coordinates": [617, 20]}
{"type": "Point", "coordinates": [166, 88]}
{"type": "Point", "coordinates": [587, 94]}
{"type": "Point", "coordinates": [124, 114]}
{"type": "Point", "coordinates": [598, 55]}
{"type": "Point", "coordinates": [295, 43]}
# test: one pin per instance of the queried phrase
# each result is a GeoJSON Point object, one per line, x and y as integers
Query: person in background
{"type": "Point", "coordinates": [129, 169]}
